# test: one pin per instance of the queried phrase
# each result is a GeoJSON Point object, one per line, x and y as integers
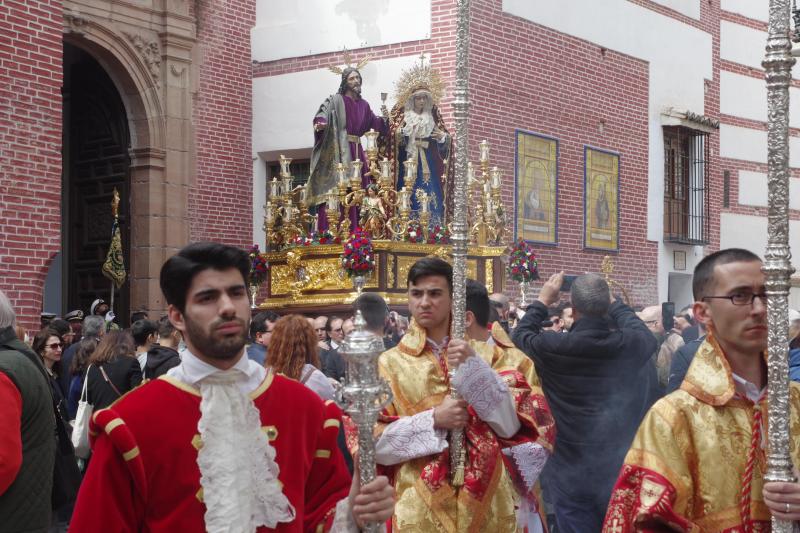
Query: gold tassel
{"type": "Point", "coordinates": [458, 476]}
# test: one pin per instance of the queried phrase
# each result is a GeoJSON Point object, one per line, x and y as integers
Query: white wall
{"type": "Point", "coordinates": [680, 59]}
{"type": "Point", "coordinates": [297, 28]}
{"type": "Point", "coordinates": [741, 44]}
{"type": "Point", "coordinates": [747, 144]}
{"type": "Point", "coordinates": [690, 8]}
{"type": "Point", "coordinates": [753, 189]}
{"type": "Point", "coordinates": [754, 9]}
{"type": "Point", "coordinates": [750, 232]}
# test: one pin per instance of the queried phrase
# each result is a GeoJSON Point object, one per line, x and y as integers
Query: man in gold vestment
{"type": "Point", "coordinates": [498, 411]}
{"type": "Point", "coordinates": [698, 460]}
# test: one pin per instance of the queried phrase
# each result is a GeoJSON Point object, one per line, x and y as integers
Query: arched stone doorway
{"type": "Point", "coordinates": [96, 161]}
{"type": "Point", "coordinates": [149, 62]}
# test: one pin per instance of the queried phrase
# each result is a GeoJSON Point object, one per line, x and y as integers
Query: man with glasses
{"type": "Point", "coordinates": [698, 460]}
{"type": "Point", "coordinates": [261, 332]}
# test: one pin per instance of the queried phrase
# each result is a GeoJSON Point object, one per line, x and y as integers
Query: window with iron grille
{"type": "Point", "coordinates": [300, 170]}
{"type": "Point", "coordinates": [686, 181]}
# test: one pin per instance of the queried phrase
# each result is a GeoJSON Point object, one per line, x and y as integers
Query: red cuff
{"type": "Point", "coordinates": [11, 435]}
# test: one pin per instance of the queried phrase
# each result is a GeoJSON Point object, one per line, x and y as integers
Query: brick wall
{"type": "Point", "coordinates": [30, 150]}
{"type": "Point", "coordinates": [525, 76]}
{"type": "Point", "coordinates": [220, 202]}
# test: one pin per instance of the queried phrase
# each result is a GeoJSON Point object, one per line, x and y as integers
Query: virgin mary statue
{"type": "Point", "coordinates": [417, 131]}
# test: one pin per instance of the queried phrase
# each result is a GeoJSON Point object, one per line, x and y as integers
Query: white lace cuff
{"type": "Point", "coordinates": [488, 394]}
{"type": "Point", "coordinates": [529, 460]}
{"type": "Point", "coordinates": [408, 438]}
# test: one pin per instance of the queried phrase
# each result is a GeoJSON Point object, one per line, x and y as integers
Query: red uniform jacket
{"type": "Point", "coordinates": [143, 474]}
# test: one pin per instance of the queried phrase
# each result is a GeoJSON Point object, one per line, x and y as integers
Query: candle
{"type": "Point", "coordinates": [371, 140]}
{"type": "Point", "coordinates": [287, 211]}
{"type": "Point", "coordinates": [287, 184]}
{"type": "Point", "coordinates": [496, 173]}
{"type": "Point", "coordinates": [411, 169]}
{"type": "Point", "coordinates": [285, 165]}
{"type": "Point", "coordinates": [424, 200]}
{"type": "Point", "coordinates": [341, 175]}
{"type": "Point", "coordinates": [484, 148]}
{"type": "Point", "coordinates": [405, 198]}
{"type": "Point", "coordinates": [356, 170]}
{"type": "Point", "coordinates": [303, 194]}
{"type": "Point", "coordinates": [333, 202]}
{"type": "Point", "coordinates": [385, 168]}
{"type": "Point", "coordinates": [273, 188]}
{"type": "Point", "coordinates": [470, 172]}
{"type": "Point", "coordinates": [268, 214]}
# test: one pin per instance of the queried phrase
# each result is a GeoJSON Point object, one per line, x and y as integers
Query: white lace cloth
{"type": "Point", "coordinates": [529, 460]}
{"type": "Point", "coordinates": [408, 438]}
{"type": "Point", "coordinates": [414, 436]}
{"type": "Point", "coordinates": [238, 471]}
{"type": "Point", "coordinates": [488, 394]}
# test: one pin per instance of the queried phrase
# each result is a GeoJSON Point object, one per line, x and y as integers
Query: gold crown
{"type": "Point", "coordinates": [419, 77]}
{"type": "Point", "coordinates": [348, 58]}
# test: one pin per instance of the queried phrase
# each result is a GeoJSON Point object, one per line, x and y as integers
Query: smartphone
{"type": "Point", "coordinates": [668, 315]}
{"type": "Point", "coordinates": [566, 286]}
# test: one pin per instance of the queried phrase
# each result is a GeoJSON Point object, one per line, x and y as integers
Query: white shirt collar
{"type": "Point", "coordinates": [334, 345]}
{"type": "Point", "coordinates": [749, 389]}
{"type": "Point", "coordinates": [192, 370]}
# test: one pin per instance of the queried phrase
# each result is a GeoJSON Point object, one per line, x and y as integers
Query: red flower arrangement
{"type": "Point", "coordinates": [258, 266]}
{"type": "Point", "coordinates": [439, 235]}
{"type": "Point", "coordinates": [522, 263]}
{"type": "Point", "coordinates": [326, 237]}
{"type": "Point", "coordinates": [300, 240]}
{"type": "Point", "coordinates": [414, 232]}
{"type": "Point", "coordinates": [358, 257]}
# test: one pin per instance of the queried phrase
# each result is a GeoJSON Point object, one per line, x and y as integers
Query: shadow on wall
{"type": "Point", "coordinates": [365, 15]}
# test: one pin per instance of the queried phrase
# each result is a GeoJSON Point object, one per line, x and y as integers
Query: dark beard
{"type": "Point", "coordinates": [224, 348]}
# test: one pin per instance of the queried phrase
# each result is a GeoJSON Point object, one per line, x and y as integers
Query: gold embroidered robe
{"type": "Point", "coordinates": [685, 468]}
{"type": "Point", "coordinates": [426, 502]}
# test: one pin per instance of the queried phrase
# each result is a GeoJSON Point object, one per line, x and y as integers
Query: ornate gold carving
{"type": "Point", "coordinates": [391, 264]}
{"type": "Point", "coordinates": [490, 275]}
{"type": "Point", "coordinates": [317, 300]}
{"type": "Point", "coordinates": [472, 269]}
{"type": "Point", "coordinates": [404, 263]}
{"type": "Point", "coordinates": [301, 275]}
{"type": "Point", "coordinates": [149, 51]}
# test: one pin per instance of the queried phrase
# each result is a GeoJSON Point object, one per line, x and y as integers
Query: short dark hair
{"type": "Point", "coordinates": [478, 302]}
{"type": "Point", "coordinates": [138, 315]}
{"type": "Point", "coordinates": [259, 322]}
{"type": "Point", "coordinates": [431, 266]}
{"type": "Point", "coordinates": [60, 325]}
{"type": "Point", "coordinates": [704, 271]}
{"type": "Point", "coordinates": [179, 270]}
{"type": "Point", "coordinates": [373, 308]}
{"type": "Point", "coordinates": [141, 329]}
{"type": "Point", "coordinates": [165, 327]}
{"type": "Point", "coordinates": [329, 323]}
{"type": "Point", "coordinates": [590, 295]}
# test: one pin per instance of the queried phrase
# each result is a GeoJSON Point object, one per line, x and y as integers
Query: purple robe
{"type": "Point", "coordinates": [359, 119]}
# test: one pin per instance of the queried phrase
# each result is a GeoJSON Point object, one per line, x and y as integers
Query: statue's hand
{"type": "Point", "coordinates": [385, 112]}
{"type": "Point", "coordinates": [319, 126]}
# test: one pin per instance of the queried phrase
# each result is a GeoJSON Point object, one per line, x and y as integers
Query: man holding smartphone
{"type": "Point", "coordinates": [598, 382]}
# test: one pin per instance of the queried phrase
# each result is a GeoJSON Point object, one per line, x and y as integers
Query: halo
{"type": "Point", "coordinates": [348, 59]}
{"type": "Point", "coordinates": [420, 76]}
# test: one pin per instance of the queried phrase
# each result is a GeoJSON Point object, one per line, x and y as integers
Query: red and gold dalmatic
{"type": "Point", "coordinates": [687, 469]}
{"type": "Point", "coordinates": [426, 502]}
{"type": "Point", "coordinates": [152, 482]}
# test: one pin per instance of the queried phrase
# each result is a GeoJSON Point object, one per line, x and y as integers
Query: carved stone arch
{"type": "Point", "coordinates": [158, 106]}
{"type": "Point", "coordinates": [132, 76]}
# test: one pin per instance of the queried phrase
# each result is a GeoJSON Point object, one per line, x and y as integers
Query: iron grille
{"type": "Point", "coordinates": [686, 185]}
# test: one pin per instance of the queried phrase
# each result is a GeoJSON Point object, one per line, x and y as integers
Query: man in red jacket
{"type": "Point", "coordinates": [220, 443]}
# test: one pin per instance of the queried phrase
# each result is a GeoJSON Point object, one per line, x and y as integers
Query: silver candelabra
{"type": "Point", "coordinates": [365, 395]}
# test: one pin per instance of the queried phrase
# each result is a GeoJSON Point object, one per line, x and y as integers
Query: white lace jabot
{"type": "Point", "coordinates": [238, 472]}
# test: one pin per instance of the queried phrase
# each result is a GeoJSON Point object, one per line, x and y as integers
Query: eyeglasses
{"type": "Point", "coordinates": [54, 345]}
{"type": "Point", "coordinates": [740, 298]}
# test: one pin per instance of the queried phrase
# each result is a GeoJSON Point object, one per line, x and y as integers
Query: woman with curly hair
{"type": "Point", "coordinates": [293, 352]}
